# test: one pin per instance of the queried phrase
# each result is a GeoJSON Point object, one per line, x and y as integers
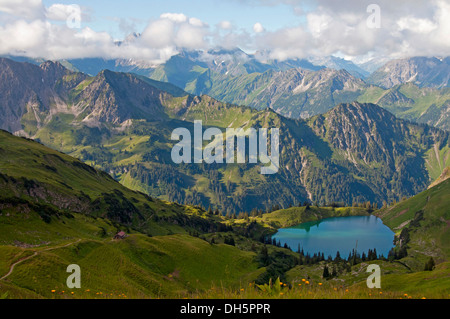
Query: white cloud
{"type": "Point", "coordinates": [416, 25]}
{"type": "Point", "coordinates": [225, 25]}
{"type": "Point", "coordinates": [25, 9]}
{"type": "Point", "coordinates": [60, 12]}
{"type": "Point", "coordinates": [286, 43]}
{"type": "Point", "coordinates": [175, 30]}
{"type": "Point", "coordinates": [175, 17]}
{"type": "Point", "coordinates": [23, 36]}
{"type": "Point", "coordinates": [258, 27]}
{"type": "Point", "coordinates": [32, 33]}
{"type": "Point", "coordinates": [190, 37]}
{"type": "Point", "coordinates": [317, 23]}
{"type": "Point", "coordinates": [197, 22]}
{"type": "Point", "coordinates": [408, 28]}
{"type": "Point", "coordinates": [159, 33]}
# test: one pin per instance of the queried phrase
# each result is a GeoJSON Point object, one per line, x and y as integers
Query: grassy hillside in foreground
{"type": "Point", "coordinates": [422, 224]}
{"type": "Point", "coordinates": [56, 211]}
{"type": "Point", "coordinates": [136, 267]}
{"type": "Point", "coordinates": [180, 266]}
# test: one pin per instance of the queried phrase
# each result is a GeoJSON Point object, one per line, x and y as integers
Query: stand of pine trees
{"type": "Point", "coordinates": [334, 266]}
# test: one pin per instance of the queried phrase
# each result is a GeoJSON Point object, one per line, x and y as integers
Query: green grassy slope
{"type": "Point", "coordinates": [426, 217]}
{"type": "Point", "coordinates": [36, 178]}
{"type": "Point", "coordinates": [136, 267]}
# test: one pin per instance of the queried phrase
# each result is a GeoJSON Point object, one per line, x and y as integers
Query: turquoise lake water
{"type": "Point", "coordinates": [341, 234]}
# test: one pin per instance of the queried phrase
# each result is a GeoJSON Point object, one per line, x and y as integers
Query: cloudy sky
{"type": "Point", "coordinates": [353, 29]}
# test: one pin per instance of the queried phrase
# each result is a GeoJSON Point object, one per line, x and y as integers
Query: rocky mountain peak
{"type": "Point", "coordinates": [53, 71]}
{"type": "Point", "coordinates": [423, 71]}
{"type": "Point", "coordinates": [114, 97]}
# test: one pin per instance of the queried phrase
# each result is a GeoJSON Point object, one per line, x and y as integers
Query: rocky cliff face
{"type": "Point", "coordinates": [30, 95]}
{"type": "Point", "coordinates": [295, 93]}
{"type": "Point", "coordinates": [26, 85]}
{"type": "Point", "coordinates": [366, 131]}
{"type": "Point", "coordinates": [116, 97]}
{"type": "Point", "coordinates": [423, 71]}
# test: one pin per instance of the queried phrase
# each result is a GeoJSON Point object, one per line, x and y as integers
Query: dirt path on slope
{"type": "Point", "coordinates": [35, 254]}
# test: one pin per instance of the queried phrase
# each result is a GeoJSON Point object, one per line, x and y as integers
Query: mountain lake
{"type": "Point", "coordinates": [341, 234]}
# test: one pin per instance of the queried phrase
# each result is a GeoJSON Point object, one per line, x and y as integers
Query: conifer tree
{"type": "Point", "coordinates": [429, 265]}
{"type": "Point", "coordinates": [326, 273]}
{"type": "Point", "coordinates": [334, 272]}
{"type": "Point", "coordinates": [338, 257]}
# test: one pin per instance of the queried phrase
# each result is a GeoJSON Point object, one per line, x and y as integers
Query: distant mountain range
{"type": "Point", "coordinates": [122, 123]}
{"type": "Point", "coordinates": [298, 88]}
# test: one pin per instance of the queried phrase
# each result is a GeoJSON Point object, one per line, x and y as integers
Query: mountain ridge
{"type": "Point", "coordinates": [234, 76]}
